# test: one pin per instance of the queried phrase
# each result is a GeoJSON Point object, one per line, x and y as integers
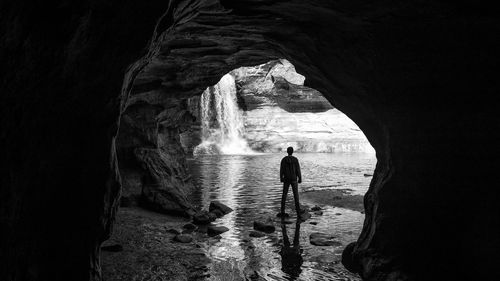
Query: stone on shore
{"type": "Point", "coordinates": [190, 226]}
{"type": "Point", "coordinates": [217, 213]}
{"type": "Point", "coordinates": [322, 239]}
{"type": "Point", "coordinates": [201, 218]}
{"type": "Point", "coordinates": [213, 230]}
{"type": "Point", "coordinates": [216, 205]}
{"type": "Point", "coordinates": [264, 226]}
{"type": "Point", "coordinates": [174, 231]}
{"type": "Point", "coordinates": [316, 208]}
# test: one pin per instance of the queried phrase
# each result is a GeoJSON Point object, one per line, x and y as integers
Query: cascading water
{"type": "Point", "coordinates": [221, 120]}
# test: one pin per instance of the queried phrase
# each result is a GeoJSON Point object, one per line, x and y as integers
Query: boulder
{"type": "Point", "coordinates": [216, 205]}
{"type": "Point", "coordinates": [213, 230]}
{"type": "Point", "coordinates": [322, 239]}
{"type": "Point", "coordinates": [316, 208]}
{"type": "Point", "coordinates": [189, 226]}
{"type": "Point", "coordinates": [348, 260]}
{"type": "Point", "coordinates": [201, 217]}
{"type": "Point", "coordinates": [318, 213]}
{"type": "Point", "coordinates": [212, 216]}
{"type": "Point", "coordinates": [173, 231]}
{"type": "Point", "coordinates": [183, 238]}
{"type": "Point", "coordinates": [218, 213]}
{"type": "Point", "coordinates": [264, 226]}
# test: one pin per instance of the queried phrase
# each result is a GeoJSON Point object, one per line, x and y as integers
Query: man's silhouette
{"type": "Point", "coordinates": [291, 256]}
{"type": "Point", "coordinates": [290, 175]}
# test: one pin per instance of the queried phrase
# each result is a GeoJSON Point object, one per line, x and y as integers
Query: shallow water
{"type": "Point", "coordinates": [250, 185]}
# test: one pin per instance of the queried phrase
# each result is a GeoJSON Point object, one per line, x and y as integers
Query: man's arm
{"type": "Point", "coordinates": [299, 174]}
{"type": "Point", "coordinates": [281, 171]}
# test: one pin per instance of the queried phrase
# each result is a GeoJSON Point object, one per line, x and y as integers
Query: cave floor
{"type": "Point", "coordinates": [148, 250]}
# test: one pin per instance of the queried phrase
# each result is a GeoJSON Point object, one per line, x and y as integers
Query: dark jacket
{"type": "Point", "coordinates": [290, 169]}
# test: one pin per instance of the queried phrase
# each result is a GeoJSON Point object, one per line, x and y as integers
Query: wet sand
{"type": "Point", "coordinates": [341, 198]}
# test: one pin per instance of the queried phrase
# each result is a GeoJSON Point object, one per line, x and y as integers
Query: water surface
{"type": "Point", "coordinates": [250, 185]}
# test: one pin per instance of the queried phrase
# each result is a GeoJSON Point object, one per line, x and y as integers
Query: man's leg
{"type": "Point", "coordinates": [286, 185]}
{"type": "Point", "coordinates": [295, 189]}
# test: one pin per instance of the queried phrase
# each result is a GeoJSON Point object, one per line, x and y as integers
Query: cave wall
{"type": "Point", "coordinates": [418, 77]}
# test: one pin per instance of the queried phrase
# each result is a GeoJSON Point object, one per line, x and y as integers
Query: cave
{"type": "Point", "coordinates": [417, 77]}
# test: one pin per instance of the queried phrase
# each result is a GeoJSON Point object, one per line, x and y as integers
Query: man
{"type": "Point", "coordinates": [289, 174]}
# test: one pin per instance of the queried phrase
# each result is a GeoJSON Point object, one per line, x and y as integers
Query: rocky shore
{"type": "Point", "coordinates": [341, 198]}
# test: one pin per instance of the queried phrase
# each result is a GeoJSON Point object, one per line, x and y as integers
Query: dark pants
{"type": "Point", "coordinates": [295, 189]}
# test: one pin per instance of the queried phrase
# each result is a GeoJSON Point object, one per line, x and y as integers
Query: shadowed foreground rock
{"type": "Point", "coordinates": [88, 86]}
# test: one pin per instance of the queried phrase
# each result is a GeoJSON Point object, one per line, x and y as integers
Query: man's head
{"type": "Point", "coordinates": [289, 150]}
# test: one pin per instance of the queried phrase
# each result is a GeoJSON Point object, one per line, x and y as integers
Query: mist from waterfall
{"type": "Point", "coordinates": [222, 123]}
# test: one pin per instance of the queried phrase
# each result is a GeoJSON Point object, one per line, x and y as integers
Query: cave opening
{"type": "Point", "coordinates": [224, 144]}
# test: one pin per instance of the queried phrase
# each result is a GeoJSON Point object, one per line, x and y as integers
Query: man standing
{"type": "Point", "coordinates": [289, 174]}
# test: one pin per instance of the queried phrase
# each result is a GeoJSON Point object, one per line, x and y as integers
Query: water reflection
{"type": "Point", "coordinates": [291, 255]}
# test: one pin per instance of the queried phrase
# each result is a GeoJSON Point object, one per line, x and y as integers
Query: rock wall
{"type": "Point", "coordinates": [417, 77]}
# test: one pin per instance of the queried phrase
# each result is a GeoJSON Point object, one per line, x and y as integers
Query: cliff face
{"type": "Point", "coordinates": [279, 111]}
{"type": "Point", "coordinates": [405, 72]}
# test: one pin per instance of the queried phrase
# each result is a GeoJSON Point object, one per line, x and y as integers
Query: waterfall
{"type": "Point", "coordinates": [222, 123]}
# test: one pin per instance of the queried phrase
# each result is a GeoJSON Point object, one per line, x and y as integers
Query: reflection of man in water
{"type": "Point", "coordinates": [289, 174]}
{"type": "Point", "coordinates": [291, 256]}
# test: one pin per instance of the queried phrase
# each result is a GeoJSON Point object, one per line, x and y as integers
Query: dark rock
{"type": "Point", "coordinates": [216, 205]}
{"type": "Point", "coordinates": [112, 248]}
{"type": "Point", "coordinates": [264, 226]}
{"type": "Point", "coordinates": [212, 216]}
{"type": "Point", "coordinates": [319, 213]}
{"type": "Point", "coordinates": [183, 238]}
{"type": "Point", "coordinates": [338, 214]}
{"type": "Point", "coordinates": [202, 217]}
{"type": "Point", "coordinates": [213, 230]}
{"type": "Point", "coordinates": [313, 223]}
{"type": "Point", "coordinates": [368, 175]}
{"type": "Point", "coordinates": [322, 239]}
{"type": "Point", "coordinates": [316, 208]}
{"type": "Point", "coordinates": [218, 213]}
{"type": "Point", "coordinates": [160, 191]}
{"type": "Point", "coordinates": [173, 231]}
{"type": "Point", "coordinates": [189, 226]}
{"type": "Point", "coordinates": [348, 259]}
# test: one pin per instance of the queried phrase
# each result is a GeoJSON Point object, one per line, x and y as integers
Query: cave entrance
{"type": "Point", "coordinates": [241, 129]}
{"type": "Point", "coordinates": [182, 145]}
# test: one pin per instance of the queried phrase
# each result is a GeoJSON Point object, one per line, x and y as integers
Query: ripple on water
{"type": "Point", "coordinates": [250, 185]}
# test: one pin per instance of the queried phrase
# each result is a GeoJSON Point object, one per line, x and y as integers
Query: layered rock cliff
{"type": "Point", "coordinates": [279, 111]}
{"type": "Point", "coordinates": [404, 71]}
